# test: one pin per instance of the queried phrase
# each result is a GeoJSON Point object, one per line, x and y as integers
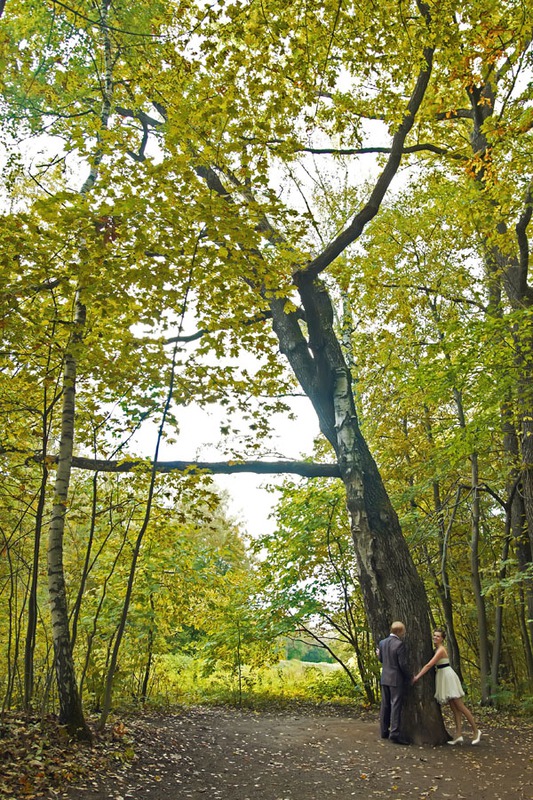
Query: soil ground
{"type": "Point", "coordinates": [226, 754]}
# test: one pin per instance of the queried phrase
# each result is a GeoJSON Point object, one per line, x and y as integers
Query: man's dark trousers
{"type": "Point", "coordinates": [394, 679]}
{"type": "Point", "coordinates": [391, 710]}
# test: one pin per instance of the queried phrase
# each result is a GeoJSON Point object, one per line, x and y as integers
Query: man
{"type": "Point", "coordinates": [395, 677]}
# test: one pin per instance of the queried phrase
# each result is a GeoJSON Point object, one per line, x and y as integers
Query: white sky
{"type": "Point", "coordinates": [199, 439]}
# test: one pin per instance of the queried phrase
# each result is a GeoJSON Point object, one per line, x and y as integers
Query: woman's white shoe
{"type": "Point", "coordinates": [478, 737]}
{"type": "Point", "coordinates": [459, 740]}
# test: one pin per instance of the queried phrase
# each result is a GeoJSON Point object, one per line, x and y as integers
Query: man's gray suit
{"type": "Point", "coordinates": [395, 677]}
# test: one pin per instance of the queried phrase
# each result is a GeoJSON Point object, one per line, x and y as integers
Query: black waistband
{"type": "Point", "coordinates": [441, 666]}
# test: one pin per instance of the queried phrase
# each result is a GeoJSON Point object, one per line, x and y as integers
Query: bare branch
{"type": "Point", "coordinates": [432, 290]}
{"type": "Point", "coordinates": [306, 469]}
{"type": "Point", "coordinates": [355, 151]}
{"type": "Point", "coordinates": [144, 119]}
{"type": "Point", "coordinates": [458, 113]}
{"type": "Point", "coordinates": [193, 337]}
{"type": "Point", "coordinates": [147, 122]}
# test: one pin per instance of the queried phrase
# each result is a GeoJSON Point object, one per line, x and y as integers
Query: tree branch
{"type": "Point", "coordinates": [354, 151]}
{"type": "Point", "coordinates": [369, 211]}
{"type": "Point", "coordinates": [306, 469]}
{"type": "Point", "coordinates": [147, 122]}
{"type": "Point", "coordinates": [436, 291]}
{"type": "Point", "coordinates": [459, 113]}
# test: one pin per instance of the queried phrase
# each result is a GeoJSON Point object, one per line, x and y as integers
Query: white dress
{"type": "Point", "coordinates": [447, 684]}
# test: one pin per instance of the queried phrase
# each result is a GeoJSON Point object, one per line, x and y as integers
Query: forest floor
{"type": "Point", "coordinates": [229, 754]}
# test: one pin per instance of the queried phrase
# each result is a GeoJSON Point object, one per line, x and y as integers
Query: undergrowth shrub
{"type": "Point", "coordinates": [179, 679]}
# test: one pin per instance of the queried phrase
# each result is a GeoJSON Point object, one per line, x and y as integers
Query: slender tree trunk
{"type": "Point", "coordinates": [136, 551]}
{"type": "Point", "coordinates": [510, 271]}
{"type": "Point", "coordinates": [71, 713]}
{"type": "Point", "coordinates": [150, 655]}
{"type": "Point", "coordinates": [523, 555]}
{"type": "Point", "coordinates": [96, 615]}
{"type": "Point", "coordinates": [442, 581]}
{"type": "Point", "coordinates": [31, 628]}
{"type": "Point", "coordinates": [524, 343]}
{"type": "Point", "coordinates": [366, 676]}
{"type": "Point", "coordinates": [528, 652]}
{"type": "Point", "coordinates": [474, 561]}
{"type": "Point", "coordinates": [518, 528]}
{"type": "Point", "coordinates": [484, 659]}
{"type": "Point", "coordinates": [439, 572]}
{"type": "Point", "coordinates": [442, 587]}
{"type": "Point", "coordinates": [11, 665]}
{"type": "Point", "coordinates": [498, 616]}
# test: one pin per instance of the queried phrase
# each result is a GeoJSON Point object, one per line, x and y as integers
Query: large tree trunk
{"type": "Point", "coordinates": [71, 713]}
{"type": "Point", "coordinates": [390, 585]}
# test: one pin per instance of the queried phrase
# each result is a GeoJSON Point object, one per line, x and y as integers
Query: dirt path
{"type": "Point", "coordinates": [242, 755]}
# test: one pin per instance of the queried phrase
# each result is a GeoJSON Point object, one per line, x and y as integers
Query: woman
{"type": "Point", "coordinates": [448, 688]}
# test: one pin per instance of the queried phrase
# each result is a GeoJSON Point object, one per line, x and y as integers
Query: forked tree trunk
{"type": "Point", "coordinates": [390, 585]}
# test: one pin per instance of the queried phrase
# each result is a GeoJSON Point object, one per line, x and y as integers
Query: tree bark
{"type": "Point", "coordinates": [306, 469]}
{"type": "Point", "coordinates": [390, 585]}
{"type": "Point", "coordinates": [498, 615]}
{"type": "Point", "coordinates": [71, 713]}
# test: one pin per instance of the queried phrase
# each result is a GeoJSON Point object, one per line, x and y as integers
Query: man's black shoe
{"type": "Point", "coordinates": [384, 735]}
{"type": "Point", "coordinates": [398, 740]}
